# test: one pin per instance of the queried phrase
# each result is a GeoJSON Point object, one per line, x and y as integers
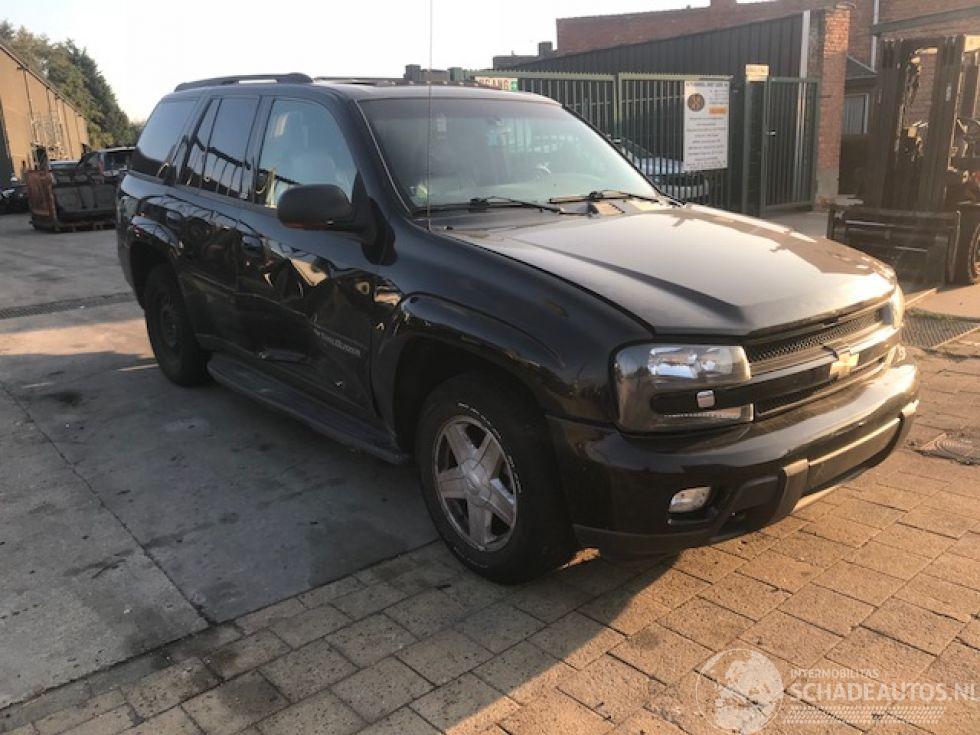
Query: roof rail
{"type": "Point", "coordinates": [395, 82]}
{"type": "Point", "coordinates": [291, 78]}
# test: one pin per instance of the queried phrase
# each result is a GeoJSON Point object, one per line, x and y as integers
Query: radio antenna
{"type": "Point", "coordinates": [428, 135]}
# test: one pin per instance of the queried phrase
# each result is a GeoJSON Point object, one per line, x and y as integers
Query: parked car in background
{"type": "Point", "coordinates": [13, 198]}
{"type": "Point", "coordinates": [477, 281]}
{"type": "Point", "coordinates": [111, 163]}
{"type": "Point", "coordinates": [667, 174]}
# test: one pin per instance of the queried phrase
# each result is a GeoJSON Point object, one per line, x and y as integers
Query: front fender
{"type": "Point", "coordinates": [527, 358]}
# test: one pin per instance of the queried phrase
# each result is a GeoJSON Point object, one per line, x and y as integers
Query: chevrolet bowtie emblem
{"type": "Point", "coordinates": [841, 367]}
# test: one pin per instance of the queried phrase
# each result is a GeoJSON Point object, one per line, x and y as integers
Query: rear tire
{"type": "Point", "coordinates": [169, 328]}
{"type": "Point", "coordinates": [966, 269]}
{"type": "Point", "coordinates": [526, 531]}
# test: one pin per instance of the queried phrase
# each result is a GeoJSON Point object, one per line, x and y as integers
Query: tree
{"type": "Point", "coordinates": [76, 75]}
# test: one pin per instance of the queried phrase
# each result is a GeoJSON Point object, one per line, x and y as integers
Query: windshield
{"type": "Point", "coordinates": [633, 151]}
{"type": "Point", "coordinates": [486, 148]}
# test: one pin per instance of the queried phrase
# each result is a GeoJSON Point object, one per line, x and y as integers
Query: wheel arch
{"type": "Point", "coordinates": [149, 245]}
{"type": "Point", "coordinates": [431, 340]}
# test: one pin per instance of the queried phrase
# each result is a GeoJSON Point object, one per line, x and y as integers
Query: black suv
{"type": "Point", "coordinates": [478, 281]}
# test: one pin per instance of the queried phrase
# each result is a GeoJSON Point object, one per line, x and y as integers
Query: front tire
{"type": "Point", "coordinates": [169, 328]}
{"type": "Point", "coordinates": [490, 481]}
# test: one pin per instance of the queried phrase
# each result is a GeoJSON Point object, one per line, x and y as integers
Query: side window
{"type": "Point", "coordinates": [302, 145]}
{"type": "Point", "coordinates": [193, 171]}
{"type": "Point", "coordinates": [224, 164]}
{"type": "Point", "coordinates": [160, 135]}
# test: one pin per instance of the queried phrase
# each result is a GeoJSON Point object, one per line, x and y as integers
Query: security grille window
{"type": "Point", "coordinates": [224, 164]}
{"type": "Point", "coordinates": [160, 135]}
{"type": "Point", "coordinates": [302, 145]}
{"type": "Point", "coordinates": [855, 114]}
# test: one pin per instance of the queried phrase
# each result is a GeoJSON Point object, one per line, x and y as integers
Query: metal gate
{"type": "Point", "coordinates": [779, 146]}
{"type": "Point", "coordinates": [771, 155]}
{"type": "Point", "coordinates": [592, 96]}
{"type": "Point", "coordinates": [651, 133]}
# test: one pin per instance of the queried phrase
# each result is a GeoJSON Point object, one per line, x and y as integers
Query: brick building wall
{"type": "Point", "coordinates": [31, 111]}
{"type": "Point", "coordinates": [829, 42]}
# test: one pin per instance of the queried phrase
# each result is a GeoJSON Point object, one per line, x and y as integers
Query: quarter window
{"type": "Point", "coordinates": [160, 135]}
{"type": "Point", "coordinates": [224, 165]}
{"type": "Point", "coordinates": [193, 172]}
{"type": "Point", "coordinates": [302, 145]}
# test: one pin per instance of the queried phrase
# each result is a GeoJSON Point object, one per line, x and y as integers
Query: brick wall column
{"type": "Point", "coordinates": [828, 62]}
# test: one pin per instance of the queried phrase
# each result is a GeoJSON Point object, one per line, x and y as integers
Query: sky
{"type": "Point", "coordinates": [145, 49]}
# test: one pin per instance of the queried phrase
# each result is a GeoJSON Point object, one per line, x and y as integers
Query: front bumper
{"type": "Point", "coordinates": [618, 487]}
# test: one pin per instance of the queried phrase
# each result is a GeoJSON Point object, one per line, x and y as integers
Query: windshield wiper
{"type": "Point", "coordinates": [483, 203]}
{"type": "Point", "coordinates": [598, 196]}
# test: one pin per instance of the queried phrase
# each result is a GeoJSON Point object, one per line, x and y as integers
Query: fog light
{"type": "Point", "coordinates": [691, 499]}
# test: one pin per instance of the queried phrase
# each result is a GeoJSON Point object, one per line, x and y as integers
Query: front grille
{"type": "Point", "coordinates": [767, 354]}
{"type": "Point", "coordinates": [777, 404]}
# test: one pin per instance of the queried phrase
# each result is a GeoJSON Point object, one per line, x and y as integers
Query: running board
{"type": "Point", "coordinates": [316, 414]}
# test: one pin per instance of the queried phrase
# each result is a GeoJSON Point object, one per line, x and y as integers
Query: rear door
{"type": "Point", "coordinates": [205, 210]}
{"type": "Point", "coordinates": [307, 296]}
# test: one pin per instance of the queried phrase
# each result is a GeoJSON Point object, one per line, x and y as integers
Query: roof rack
{"type": "Point", "coordinates": [395, 82]}
{"type": "Point", "coordinates": [291, 78]}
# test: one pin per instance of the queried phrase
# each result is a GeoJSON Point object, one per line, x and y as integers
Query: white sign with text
{"type": "Point", "coordinates": [706, 106]}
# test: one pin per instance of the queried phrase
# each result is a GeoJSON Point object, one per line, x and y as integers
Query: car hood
{"type": "Point", "coordinates": [696, 270]}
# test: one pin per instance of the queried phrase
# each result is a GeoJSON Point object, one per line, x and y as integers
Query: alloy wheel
{"type": "Point", "coordinates": [475, 483]}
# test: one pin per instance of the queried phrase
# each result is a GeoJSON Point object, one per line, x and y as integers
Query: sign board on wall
{"type": "Point", "coordinates": [508, 84]}
{"type": "Point", "coordinates": [706, 106]}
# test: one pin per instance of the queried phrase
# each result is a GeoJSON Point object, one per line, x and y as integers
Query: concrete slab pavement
{"type": "Point", "coordinates": [39, 267]}
{"type": "Point", "coordinates": [133, 511]}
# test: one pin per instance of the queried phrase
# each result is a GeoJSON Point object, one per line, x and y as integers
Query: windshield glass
{"type": "Point", "coordinates": [486, 148]}
{"type": "Point", "coordinates": [633, 151]}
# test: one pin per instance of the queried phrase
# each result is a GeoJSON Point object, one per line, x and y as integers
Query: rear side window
{"type": "Point", "coordinates": [224, 165]}
{"type": "Point", "coordinates": [192, 173]}
{"type": "Point", "coordinates": [160, 135]}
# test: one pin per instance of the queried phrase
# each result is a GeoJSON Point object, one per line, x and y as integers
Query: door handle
{"type": "Point", "coordinates": [252, 245]}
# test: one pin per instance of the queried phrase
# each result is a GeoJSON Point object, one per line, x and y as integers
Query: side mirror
{"type": "Point", "coordinates": [315, 207]}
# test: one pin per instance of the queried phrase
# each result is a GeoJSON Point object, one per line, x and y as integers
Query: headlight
{"type": "Point", "coordinates": [646, 372]}
{"type": "Point", "coordinates": [896, 308]}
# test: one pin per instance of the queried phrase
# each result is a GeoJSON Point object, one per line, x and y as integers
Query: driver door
{"type": "Point", "coordinates": [306, 296]}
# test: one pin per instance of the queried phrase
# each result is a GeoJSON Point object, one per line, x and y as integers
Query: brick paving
{"type": "Point", "coordinates": [881, 577]}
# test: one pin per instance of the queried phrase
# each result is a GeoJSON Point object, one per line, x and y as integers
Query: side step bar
{"type": "Point", "coordinates": [318, 415]}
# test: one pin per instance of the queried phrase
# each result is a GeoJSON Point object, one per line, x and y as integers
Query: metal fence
{"type": "Point", "coordinates": [789, 143]}
{"type": "Point", "coordinates": [772, 132]}
{"type": "Point", "coordinates": [593, 96]}
{"type": "Point", "coordinates": [652, 132]}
